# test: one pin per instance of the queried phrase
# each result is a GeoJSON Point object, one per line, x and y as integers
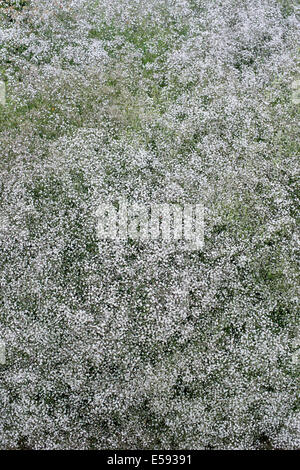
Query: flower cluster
{"type": "Point", "coordinates": [127, 344]}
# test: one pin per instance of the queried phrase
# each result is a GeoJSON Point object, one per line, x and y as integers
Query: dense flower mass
{"type": "Point", "coordinates": [130, 345]}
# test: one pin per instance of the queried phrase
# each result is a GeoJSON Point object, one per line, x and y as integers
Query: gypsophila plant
{"type": "Point", "coordinates": [130, 345]}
